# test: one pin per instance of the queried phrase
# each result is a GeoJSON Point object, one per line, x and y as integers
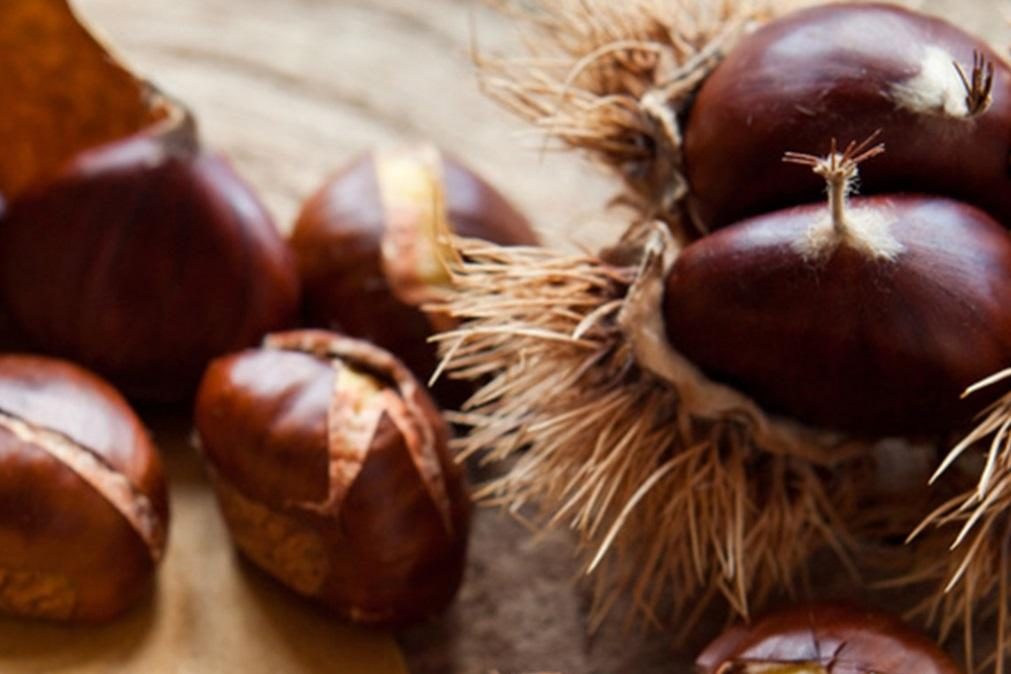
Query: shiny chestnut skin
{"type": "Point", "coordinates": [850, 342]}
{"type": "Point", "coordinates": [339, 238]}
{"type": "Point", "coordinates": [83, 501]}
{"type": "Point", "coordinates": [825, 639]}
{"type": "Point", "coordinates": [834, 71]}
{"type": "Point", "coordinates": [333, 472]}
{"type": "Point", "coordinates": [143, 259]}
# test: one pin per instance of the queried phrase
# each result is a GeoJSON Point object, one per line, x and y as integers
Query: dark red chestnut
{"type": "Point", "coordinates": [333, 473]}
{"type": "Point", "coordinates": [83, 503]}
{"type": "Point", "coordinates": [825, 639]}
{"type": "Point", "coordinates": [870, 317]}
{"type": "Point", "coordinates": [124, 246]}
{"type": "Point", "coordinates": [845, 70]}
{"type": "Point", "coordinates": [368, 250]}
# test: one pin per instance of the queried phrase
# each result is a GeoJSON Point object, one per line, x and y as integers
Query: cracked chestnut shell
{"type": "Point", "coordinates": [143, 259]}
{"type": "Point", "coordinates": [368, 251]}
{"type": "Point", "coordinates": [824, 639]}
{"type": "Point", "coordinates": [83, 502]}
{"type": "Point", "coordinates": [847, 339]}
{"type": "Point", "coordinates": [332, 470]}
{"type": "Point", "coordinates": [844, 71]}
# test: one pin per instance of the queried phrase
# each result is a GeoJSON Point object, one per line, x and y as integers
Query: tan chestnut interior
{"type": "Point", "coordinates": [63, 93]}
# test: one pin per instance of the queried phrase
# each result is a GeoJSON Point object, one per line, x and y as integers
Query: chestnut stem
{"type": "Point", "coordinates": [978, 86]}
{"type": "Point", "coordinates": [839, 170]}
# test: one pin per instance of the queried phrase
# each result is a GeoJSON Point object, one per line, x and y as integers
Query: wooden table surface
{"type": "Point", "coordinates": [292, 88]}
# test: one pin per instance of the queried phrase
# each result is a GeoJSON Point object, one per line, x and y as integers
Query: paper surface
{"type": "Point", "coordinates": [209, 613]}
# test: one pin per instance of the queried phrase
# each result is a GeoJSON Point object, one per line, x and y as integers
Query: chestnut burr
{"type": "Point", "coordinates": [824, 639]}
{"type": "Point", "coordinates": [368, 248]}
{"type": "Point", "coordinates": [940, 96]}
{"type": "Point", "coordinates": [83, 502]}
{"type": "Point", "coordinates": [332, 470]}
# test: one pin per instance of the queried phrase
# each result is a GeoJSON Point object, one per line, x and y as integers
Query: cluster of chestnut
{"type": "Point", "coordinates": [757, 325]}
{"type": "Point", "coordinates": [131, 255]}
{"type": "Point", "coordinates": [143, 258]}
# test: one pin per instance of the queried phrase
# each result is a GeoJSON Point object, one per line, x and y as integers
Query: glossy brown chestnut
{"type": "Point", "coordinates": [367, 247]}
{"type": "Point", "coordinates": [846, 338]}
{"type": "Point", "coordinates": [144, 259]}
{"type": "Point", "coordinates": [83, 502]}
{"type": "Point", "coordinates": [124, 246]}
{"type": "Point", "coordinates": [333, 473]}
{"type": "Point", "coordinates": [844, 71]}
{"type": "Point", "coordinates": [825, 639]}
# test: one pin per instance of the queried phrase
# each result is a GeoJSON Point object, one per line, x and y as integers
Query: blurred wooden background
{"type": "Point", "coordinates": [292, 88]}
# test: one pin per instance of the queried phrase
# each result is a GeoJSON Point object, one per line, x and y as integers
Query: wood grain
{"type": "Point", "coordinates": [290, 89]}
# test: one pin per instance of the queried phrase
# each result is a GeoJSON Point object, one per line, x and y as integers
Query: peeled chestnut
{"type": "Point", "coordinates": [333, 473]}
{"type": "Point", "coordinates": [870, 316]}
{"type": "Point", "coordinates": [125, 246]}
{"type": "Point", "coordinates": [368, 249]}
{"type": "Point", "coordinates": [825, 639]}
{"type": "Point", "coordinates": [83, 502]}
{"type": "Point", "coordinates": [940, 96]}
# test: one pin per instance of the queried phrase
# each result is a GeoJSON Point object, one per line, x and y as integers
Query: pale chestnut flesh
{"type": "Point", "coordinates": [844, 71]}
{"type": "Point", "coordinates": [824, 639]}
{"type": "Point", "coordinates": [879, 342]}
{"type": "Point", "coordinates": [83, 502]}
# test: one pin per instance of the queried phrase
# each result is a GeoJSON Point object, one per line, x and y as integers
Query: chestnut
{"type": "Point", "coordinates": [941, 97]}
{"type": "Point", "coordinates": [368, 251]}
{"type": "Point", "coordinates": [333, 473]}
{"type": "Point", "coordinates": [83, 502]}
{"type": "Point", "coordinates": [870, 316]}
{"type": "Point", "coordinates": [824, 639]}
{"type": "Point", "coordinates": [125, 246]}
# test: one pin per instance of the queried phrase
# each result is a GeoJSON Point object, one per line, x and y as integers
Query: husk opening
{"type": "Point", "coordinates": [680, 490]}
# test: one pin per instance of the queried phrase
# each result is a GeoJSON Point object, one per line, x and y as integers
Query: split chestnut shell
{"type": "Point", "coordinates": [83, 500]}
{"type": "Point", "coordinates": [333, 472]}
{"type": "Point", "coordinates": [367, 246]}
